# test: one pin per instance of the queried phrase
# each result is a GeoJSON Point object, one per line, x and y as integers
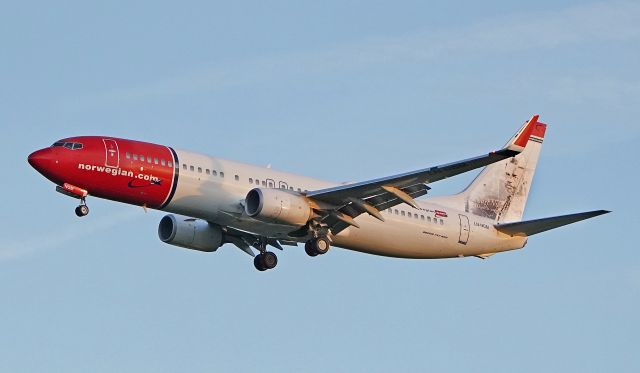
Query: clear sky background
{"type": "Point", "coordinates": [340, 90]}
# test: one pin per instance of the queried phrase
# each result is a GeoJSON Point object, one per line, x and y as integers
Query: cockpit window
{"type": "Point", "coordinates": [68, 145]}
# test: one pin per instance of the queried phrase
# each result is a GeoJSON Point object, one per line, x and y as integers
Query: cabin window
{"type": "Point", "coordinates": [199, 170]}
{"type": "Point", "coordinates": [237, 177]}
{"type": "Point", "coordinates": [135, 157]}
{"type": "Point", "coordinates": [257, 182]}
{"type": "Point", "coordinates": [415, 216]}
{"type": "Point", "coordinates": [290, 188]}
{"type": "Point", "coordinates": [250, 180]}
{"type": "Point", "coordinates": [162, 162]}
{"type": "Point", "coordinates": [441, 222]}
{"type": "Point", "coordinates": [221, 174]}
{"type": "Point", "coordinates": [421, 217]}
{"type": "Point", "coordinates": [148, 159]}
{"type": "Point", "coordinates": [184, 166]}
{"type": "Point", "coordinates": [128, 155]}
{"type": "Point", "coordinates": [429, 219]}
{"type": "Point", "coordinates": [170, 164]}
{"type": "Point", "coordinates": [402, 213]}
{"type": "Point", "coordinates": [299, 190]}
{"type": "Point", "coordinates": [214, 173]}
{"type": "Point", "coordinates": [155, 160]}
{"type": "Point", "coordinates": [191, 168]}
{"type": "Point", "coordinates": [271, 184]}
{"type": "Point", "coordinates": [264, 183]}
{"type": "Point", "coordinates": [208, 171]}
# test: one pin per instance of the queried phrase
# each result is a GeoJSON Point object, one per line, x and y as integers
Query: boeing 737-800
{"type": "Point", "coordinates": [213, 201]}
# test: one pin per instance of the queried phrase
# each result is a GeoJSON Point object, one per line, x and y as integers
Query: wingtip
{"type": "Point", "coordinates": [598, 213]}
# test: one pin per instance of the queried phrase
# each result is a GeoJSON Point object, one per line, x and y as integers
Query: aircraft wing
{"type": "Point", "coordinates": [372, 196]}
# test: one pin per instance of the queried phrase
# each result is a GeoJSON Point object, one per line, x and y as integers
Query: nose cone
{"type": "Point", "coordinates": [41, 160]}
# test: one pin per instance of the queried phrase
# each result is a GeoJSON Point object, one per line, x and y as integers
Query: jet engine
{"type": "Point", "coordinates": [194, 234]}
{"type": "Point", "coordinates": [278, 206]}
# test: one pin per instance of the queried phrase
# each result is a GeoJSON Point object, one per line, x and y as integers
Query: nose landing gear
{"type": "Point", "coordinates": [82, 209]}
{"type": "Point", "coordinates": [75, 192]}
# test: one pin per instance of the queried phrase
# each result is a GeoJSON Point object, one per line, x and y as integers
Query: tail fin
{"type": "Point", "coordinates": [500, 191]}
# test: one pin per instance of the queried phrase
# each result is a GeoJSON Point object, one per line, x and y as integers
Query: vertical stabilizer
{"type": "Point", "coordinates": [500, 191]}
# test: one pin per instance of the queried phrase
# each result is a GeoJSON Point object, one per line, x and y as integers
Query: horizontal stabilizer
{"type": "Point", "coordinates": [531, 227]}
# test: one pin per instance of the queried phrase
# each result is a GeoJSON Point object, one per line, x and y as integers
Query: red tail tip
{"type": "Point", "coordinates": [539, 129]}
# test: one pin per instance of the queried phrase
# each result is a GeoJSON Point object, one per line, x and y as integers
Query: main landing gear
{"type": "Point", "coordinates": [266, 259]}
{"type": "Point", "coordinates": [317, 246]}
{"type": "Point", "coordinates": [83, 209]}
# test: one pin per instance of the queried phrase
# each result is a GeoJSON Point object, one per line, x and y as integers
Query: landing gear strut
{"type": "Point", "coordinates": [83, 209]}
{"type": "Point", "coordinates": [317, 246]}
{"type": "Point", "coordinates": [266, 259]}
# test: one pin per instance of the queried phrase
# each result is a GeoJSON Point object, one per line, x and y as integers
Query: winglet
{"type": "Point", "coordinates": [520, 140]}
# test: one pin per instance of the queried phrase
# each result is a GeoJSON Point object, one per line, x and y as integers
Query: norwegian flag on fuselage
{"type": "Point", "coordinates": [441, 214]}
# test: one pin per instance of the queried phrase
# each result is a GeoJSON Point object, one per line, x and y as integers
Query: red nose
{"type": "Point", "coordinates": [41, 160]}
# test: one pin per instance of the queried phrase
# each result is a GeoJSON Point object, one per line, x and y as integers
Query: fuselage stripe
{"type": "Point", "coordinates": [176, 173]}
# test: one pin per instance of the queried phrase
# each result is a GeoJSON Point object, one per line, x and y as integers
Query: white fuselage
{"type": "Point", "coordinates": [214, 189]}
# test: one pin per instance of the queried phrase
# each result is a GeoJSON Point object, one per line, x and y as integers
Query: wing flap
{"type": "Point", "coordinates": [531, 227]}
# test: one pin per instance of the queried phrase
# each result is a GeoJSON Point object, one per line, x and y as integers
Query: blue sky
{"type": "Point", "coordinates": [341, 90]}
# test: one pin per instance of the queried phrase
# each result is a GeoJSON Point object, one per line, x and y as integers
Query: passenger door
{"type": "Point", "coordinates": [112, 155]}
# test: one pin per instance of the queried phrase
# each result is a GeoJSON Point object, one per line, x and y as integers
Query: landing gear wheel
{"type": "Point", "coordinates": [265, 260]}
{"type": "Point", "coordinates": [257, 262]}
{"type": "Point", "coordinates": [82, 210]}
{"type": "Point", "coordinates": [308, 248]}
{"type": "Point", "coordinates": [269, 260]}
{"type": "Point", "coordinates": [321, 245]}
{"type": "Point", "coordinates": [317, 246]}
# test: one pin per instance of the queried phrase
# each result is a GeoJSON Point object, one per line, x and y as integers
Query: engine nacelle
{"type": "Point", "coordinates": [278, 206]}
{"type": "Point", "coordinates": [194, 234]}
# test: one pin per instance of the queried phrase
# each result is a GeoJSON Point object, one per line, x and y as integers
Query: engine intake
{"type": "Point", "coordinates": [194, 234]}
{"type": "Point", "coordinates": [278, 206]}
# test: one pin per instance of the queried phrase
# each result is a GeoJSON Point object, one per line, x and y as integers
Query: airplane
{"type": "Point", "coordinates": [213, 201]}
